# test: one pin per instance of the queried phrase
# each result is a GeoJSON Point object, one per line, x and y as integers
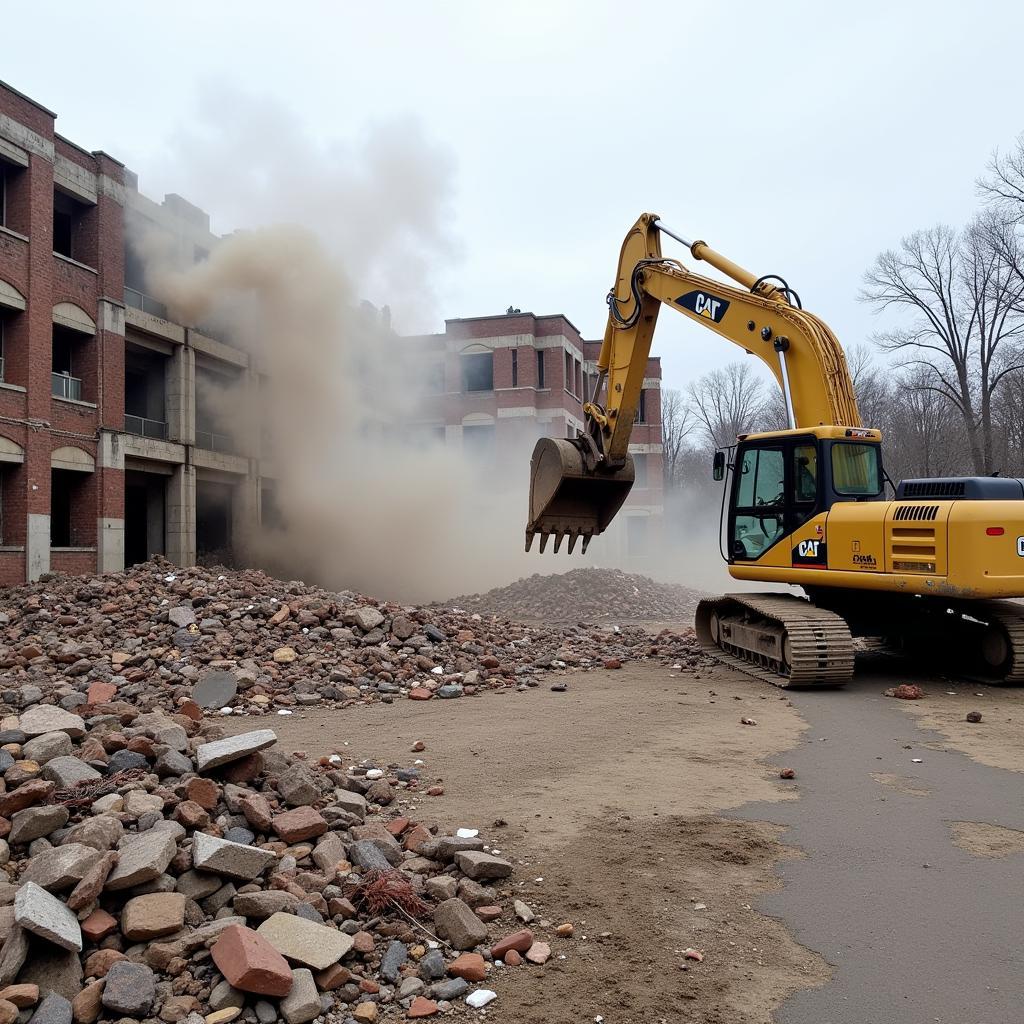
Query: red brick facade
{"type": "Point", "coordinates": [85, 289]}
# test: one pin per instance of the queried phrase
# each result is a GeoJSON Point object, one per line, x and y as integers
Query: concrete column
{"type": "Point", "coordinates": [245, 512]}
{"type": "Point", "coordinates": [110, 522]}
{"type": "Point", "coordinates": [37, 545]}
{"type": "Point", "coordinates": [181, 516]}
{"type": "Point", "coordinates": [181, 395]}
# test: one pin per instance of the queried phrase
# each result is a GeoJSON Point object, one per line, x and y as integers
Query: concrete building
{"type": "Point", "coordinates": [112, 446]}
{"type": "Point", "coordinates": [503, 381]}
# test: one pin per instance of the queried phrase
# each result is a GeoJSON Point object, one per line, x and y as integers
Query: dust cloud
{"type": "Point", "coordinates": [342, 248]}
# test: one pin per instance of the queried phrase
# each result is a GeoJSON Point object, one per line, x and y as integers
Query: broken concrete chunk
{"type": "Point", "coordinates": [232, 748]}
{"type": "Point", "coordinates": [44, 915]}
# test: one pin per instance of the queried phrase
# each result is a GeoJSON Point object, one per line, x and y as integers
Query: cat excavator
{"type": "Point", "coordinates": [928, 567]}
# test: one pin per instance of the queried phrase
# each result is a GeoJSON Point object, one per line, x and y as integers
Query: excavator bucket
{"type": "Point", "coordinates": [566, 500]}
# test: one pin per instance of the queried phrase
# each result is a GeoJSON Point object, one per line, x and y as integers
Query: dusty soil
{"type": "Point", "coordinates": [986, 840]}
{"type": "Point", "coordinates": [995, 740]}
{"type": "Point", "coordinates": [611, 793]}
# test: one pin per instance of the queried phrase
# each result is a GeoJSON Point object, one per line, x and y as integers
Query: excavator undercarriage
{"type": "Point", "coordinates": [787, 641]}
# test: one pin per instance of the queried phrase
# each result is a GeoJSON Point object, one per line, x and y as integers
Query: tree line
{"type": "Point", "coordinates": [944, 375]}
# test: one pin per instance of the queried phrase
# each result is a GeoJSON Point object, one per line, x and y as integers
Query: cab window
{"type": "Point", "coordinates": [760, 498]}
{"type": "Point", "coordinates": [855, 469]}
{"type": "Point", "coordinates": [805, 474]}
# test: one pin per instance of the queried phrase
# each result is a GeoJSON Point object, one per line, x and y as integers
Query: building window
{"type": "Point", "coordinates": [435, 377]}
{"type": "Point", "coordinates": [3, 193]}
{"type": "Point", "coordinates": [637, 535]}
{"type": "Point", "coordinates": [144, 406]}
{"type": "Point", "coordinates": [578, 377]}
{"type": "Point", "coordinates": [3, 328]}
{"type": "Point", "coordinates": [67, 492]}
{"type": "Point", "coordinates": [569, 375]}
{"type": "Point", "coordinates": [515, 368]}
{"type": "Point", "coordinates": [478, 440]}
{"type": "Point", "coordinates": [478, 372]}
{"type": "Point", "coordinates": [641, 410]}
{"type": "Point", "coordinates": [66, 359]}
{"type": "Point", "coordinates": [68, 215]}
{"type": "Point", "coordinates": [640, 470]}
{"type": "Point", "coordinates": [540, 368]}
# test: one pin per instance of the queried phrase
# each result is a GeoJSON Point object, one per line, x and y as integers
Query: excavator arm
{"type": "Point", "coordinates": [577, 486]}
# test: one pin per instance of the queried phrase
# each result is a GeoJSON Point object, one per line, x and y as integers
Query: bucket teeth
{"type": "Point", "coordinates": [544, 541]}
{"type": "Point", "coordinates": [587, 538]}
{"type": "Point", "coordinates": [573, 537]}
{"type": "Point", "coordinates": [529, 539]}
{"type": "Point", "coordinates": [559, 537]}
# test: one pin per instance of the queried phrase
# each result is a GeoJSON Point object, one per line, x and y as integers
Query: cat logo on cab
{"type": "Point", "coordinates": [811, 553]}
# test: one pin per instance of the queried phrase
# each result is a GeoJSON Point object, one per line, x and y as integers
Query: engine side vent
{"type": "Point", "coordinates": [934, 488]}
{"type": "Point", "coordinates": [916, 512]}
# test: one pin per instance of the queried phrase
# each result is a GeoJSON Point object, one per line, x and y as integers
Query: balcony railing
{"type": "Point", "coordinates": [63, 385]}
{"type": "Point", "coordinates": [145, 427]}
{"type": "Point", "coordinates": [214, 442]}
{"type": "Point", "coordinates": [144, 302]}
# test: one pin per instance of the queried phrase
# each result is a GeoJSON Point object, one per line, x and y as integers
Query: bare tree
{"type": "Point", "coordinates": [728, 402]}
{"type": "Point", "coordinates": [677, 423]}
{"type": "Point", "coordinates": [960, 299]}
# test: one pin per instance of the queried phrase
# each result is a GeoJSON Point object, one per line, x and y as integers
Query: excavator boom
{"type": "Point", "coordinates": [578, 485]}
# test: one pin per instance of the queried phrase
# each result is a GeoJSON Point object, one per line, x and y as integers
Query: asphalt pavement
{"type": "Point", "coordinates": [918, 930]}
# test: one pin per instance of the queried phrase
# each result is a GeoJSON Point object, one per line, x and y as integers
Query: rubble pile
{"type": "Point", "coordinates": [586, 595]}
{"type": "Point", "coordinates": [156, 871]}
{"type": "Point", "coordinates": [240, 640]}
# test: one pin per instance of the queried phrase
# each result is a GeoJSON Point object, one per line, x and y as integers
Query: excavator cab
{"type": "Point", "coordinates": [567, 499]}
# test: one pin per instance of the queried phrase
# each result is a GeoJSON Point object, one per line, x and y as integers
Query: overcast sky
{"type": "Point", "coordinates": [798, 138]}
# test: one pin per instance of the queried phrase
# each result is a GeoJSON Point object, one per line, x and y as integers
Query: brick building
{"type": "Point", "coordinates": [111, 446]}
{"type": "Point", "coordinates": [501, 382]}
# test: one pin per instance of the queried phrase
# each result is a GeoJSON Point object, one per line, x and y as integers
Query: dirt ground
{"type": "Point", "coordinates": [611, 793]}
{"type": "Point", "coordinates": [995, 740]}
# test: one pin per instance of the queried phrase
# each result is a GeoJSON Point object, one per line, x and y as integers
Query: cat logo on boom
{"type": "Point", "coordinates": [711, 307]}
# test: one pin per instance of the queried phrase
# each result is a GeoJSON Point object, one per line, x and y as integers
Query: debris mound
{"type": "Point", "coordinates": [240, 641]}
{"type": "Point", "coordinates": [586, 595]}
{"type": "Point", "coordinates": [154, 869]}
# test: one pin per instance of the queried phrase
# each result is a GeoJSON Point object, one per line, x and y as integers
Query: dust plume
{"type": "Point", "coordinates": [335, 237]}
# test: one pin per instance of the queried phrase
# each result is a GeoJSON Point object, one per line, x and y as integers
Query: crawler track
{"type": "Point", "coordinates": [803, 645]}
{"type": "Point", "coordinates": [1008, 617]}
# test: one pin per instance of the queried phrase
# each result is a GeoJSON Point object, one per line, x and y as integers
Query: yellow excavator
{"type": "Point", "coordinates": [807, 505]}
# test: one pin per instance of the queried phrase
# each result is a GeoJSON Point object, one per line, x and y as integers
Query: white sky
{"type": "Point", "coordinates": [798, 138]}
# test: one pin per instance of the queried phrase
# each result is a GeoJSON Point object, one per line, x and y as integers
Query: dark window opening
{"type": "Point", "coordinates": [214, 503]}
{"type": "Point", "coordinates": [68, 363]}
{"type": "Point", "coordinates": [641, 410]}
{"type": "Point", "coordinates": [515, 368]}
{"type": "Point", "coordinates": [4, 317]}
{"type": "Point", "coordinates": [144, 388]}
{"type": "Point", "coordinates": [640, 470]}
{"type": "Point", "coordinates": [145, 497]}
{"type": "Point", "coordinates": [68, 493]}
{"type": "Point", "coordinates": [14, 197]}
{"type": "Point", "coordinates": [540, 369]}
{"type": "Point", "coordinates": [478, 372]}
{"type": "Point", "coordinates": [569, 375]}
{"type": "Point", "coordinates": [68, 217]}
